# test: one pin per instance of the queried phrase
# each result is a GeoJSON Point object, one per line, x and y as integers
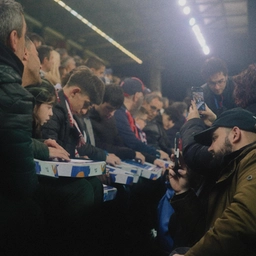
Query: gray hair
{"type": "Point", "coordinates": [11, 18]}
{"type": "Point", "coordinates": [149, 97]}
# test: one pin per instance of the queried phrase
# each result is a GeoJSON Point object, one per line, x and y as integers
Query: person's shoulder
{"type": "Point", "coordinates": [9, 75]}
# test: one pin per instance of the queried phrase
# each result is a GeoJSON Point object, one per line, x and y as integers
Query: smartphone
{"type": "Point", "coordinates": [177, 150]}
{"type": "Point", "coordinates": [198, 97]}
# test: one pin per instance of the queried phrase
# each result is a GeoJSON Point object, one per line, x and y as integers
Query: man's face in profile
{"type": "Point", "coordinates": [21, 42]}
{"type": "Point", "coordinates": [221, 145]}
{"type": "Point", "coordinates": [106, 110]}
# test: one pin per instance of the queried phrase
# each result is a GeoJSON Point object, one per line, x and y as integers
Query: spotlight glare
{"type": "Point", "coordinates": [186, 10]}
{"type": "Point", "coordinates": [206, 50]}
{"type": "Point", "coordinates": [182, 2]}
{"type": "Point", "coordinates": [192, 22]}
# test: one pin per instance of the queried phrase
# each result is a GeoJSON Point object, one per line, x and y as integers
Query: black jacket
{"type": "Point", "coordinates": [59, 129]}
{"type": "Point", "coordinates": [106, 137]}
{"type": "Point", "coordinates": [18, 176]}
{"type": "Point", "coordinates": [156, 135]}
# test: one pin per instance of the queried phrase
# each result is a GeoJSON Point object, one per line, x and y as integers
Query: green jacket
{"type": "Point", "coordinates": [231, 216]}
{"type": "Point", "coordinates": [18, 177]}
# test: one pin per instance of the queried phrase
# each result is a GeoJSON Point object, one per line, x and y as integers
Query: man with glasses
{"type": "Point", "coordinates": [133, 90]}
{"type": "Point", "coordinates": [218, 89]}
{"type": "Point", "coordinates": [153, 103]}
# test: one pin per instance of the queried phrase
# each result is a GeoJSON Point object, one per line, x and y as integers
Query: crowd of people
{"type": "Point", "coordinates": [59, 107]}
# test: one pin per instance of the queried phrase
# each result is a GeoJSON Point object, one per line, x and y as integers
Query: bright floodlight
{"type": "Point", "coordinates": [206, 50]}
{"type": "Point", "coordinates": [182, 2]}
{"type": "Point", "coordinates": [186, 10]}
{"type": "Point", "coordinates": [192, 22]}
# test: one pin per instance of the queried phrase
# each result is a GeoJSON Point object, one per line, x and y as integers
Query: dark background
{"type": "Point", "coordinates": [154, 30]}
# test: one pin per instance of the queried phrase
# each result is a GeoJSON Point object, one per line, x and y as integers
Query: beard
{"type": "Point", "coordinates": [225, 150]}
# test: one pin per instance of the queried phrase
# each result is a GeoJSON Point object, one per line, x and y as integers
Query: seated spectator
{"type": "Point", "coordinates": [153, 104]}
{"type": "Point", "coordinates": [45, 54]}
{"type": "Point", "coordinates": [218, 89]}
{"type": "Point", "coordinates": [36, 39]}
{"type": "Point", "coordinates": [156, 130]}
{"type": "Point", "coordinates": [53, 76]}
{"type": "Point", "coordinates": [133, 97]}
{"type": "Point", "coordinates": [181, 108]}
{"type": "Point", "coordinates": [105, 130]}
{"type": "Point", "coordinates": [140, 118]}
{"type": "Point", "coordinates": [231, 140]}
{"type": "Point", "coordinates": [45, 97]}
{"type": "Point", "coordinates": [67, 64]}
{"type": "Point", "coordinates": [108, 76]}
{"type": "Point", "coordinates": [71, 205]}
{"type": "Point", "coordinates": [31, 62]}
{"type": "Point", "coordinates": [96, 65]}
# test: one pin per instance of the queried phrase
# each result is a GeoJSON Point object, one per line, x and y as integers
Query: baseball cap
{"type": "Point", "coordinates": [243, 119]}
{"type": "Point", "coordinates": [131, 85]}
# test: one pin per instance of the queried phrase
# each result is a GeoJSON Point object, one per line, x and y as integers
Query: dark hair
{"type": "Point", "coordinates": [11, 18]}
{"type": "Point", "coordinates": [94, 62]}
{"type": "Point", "coordinates": [245, 87]}
{"type": "Point", "coordinates": [213, 66]}
{"type": "Point", "coordinates": [34, 37]}
{"type": "Point", "coordinates": [180, 106]}
{"type": "Point", "coordinates": [89, 84]}
{"type": "Point", "coordinates": [173, 113]}
{"type": "Point", "coordinates": [153, 95]}
{"type": "Point", "coordinates": [43, 93]}
{"type": "Point", "coordinates": [44, 52]}
{"type": "Point", "coordinates": [113, 95]}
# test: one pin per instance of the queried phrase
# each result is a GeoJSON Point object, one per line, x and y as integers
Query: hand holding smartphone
{"type": "Point", "coordinates": [177, 149]}
{"type": "Point", "coordinates": [198, 97]}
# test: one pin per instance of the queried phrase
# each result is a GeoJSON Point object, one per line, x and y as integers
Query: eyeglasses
{"type": "Point", "coordinates": [220, 82]}
{"type": "Point", "coordinates": [154, 109]}
{"type": "Point", "coordinates": [87, 104]}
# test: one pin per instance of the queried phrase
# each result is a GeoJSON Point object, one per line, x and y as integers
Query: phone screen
{"type": "Point", "coordinates": [198, 97]}
{"type": "Point", "coordinates": [177, 150]}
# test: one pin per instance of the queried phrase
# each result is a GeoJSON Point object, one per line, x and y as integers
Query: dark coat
{"type": "Point", "coordinates": [18, 176]}
{"type": "Point", "coordinates": [128, 136]}
{"type": "Point", "coordinates": [59, 129]}
{"type": "Point", "coordinates": [106, 137]}
{"type": "Point", "coordinates": [156, 135]}
{"type": "Point", "coordinates": [231, 216]}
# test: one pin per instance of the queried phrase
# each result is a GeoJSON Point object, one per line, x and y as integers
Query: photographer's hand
{"type": "Point", "coordinates": [193, 112]}
{"type": "Point", "coordinates": [179, 183]}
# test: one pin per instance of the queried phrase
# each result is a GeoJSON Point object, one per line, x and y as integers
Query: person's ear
{"type": "Point", "coordinates": [136, 96]}
{"type": "Point", "coordinates": [236, 134]}
{"type": "Point", "coordinates": [13, 40]}
{"type": "Point", "coordinates": [25, 57]}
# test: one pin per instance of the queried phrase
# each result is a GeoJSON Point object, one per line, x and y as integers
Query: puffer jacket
{"type": "Point", "coordinates": [18, 176]}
